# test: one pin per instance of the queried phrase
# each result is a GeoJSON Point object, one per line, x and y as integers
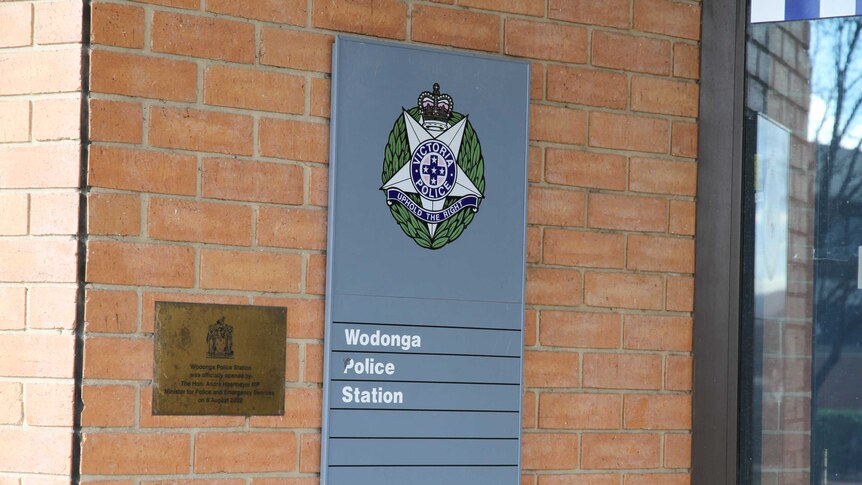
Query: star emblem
{"type": "Point", "coordinates": [451, 137]}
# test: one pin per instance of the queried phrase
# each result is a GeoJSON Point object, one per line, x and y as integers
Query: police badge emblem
{"type": "Point", "coordinates": [433, 171]}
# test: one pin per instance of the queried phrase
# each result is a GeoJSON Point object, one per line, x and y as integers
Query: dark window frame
{"type": "Point", "coordinates": [719, 222]}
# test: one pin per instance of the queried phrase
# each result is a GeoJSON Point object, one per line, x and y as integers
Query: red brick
{"type": "Point", "coordinates": [245, 452]}
{"type": "Point", "coordinates": [622, 371]}
{"type": "Point", "coordinates": [579, 479]}
{"type": "Point", "coordinates": [678, 374]}
{"type": "Point", "coordinates": [547, 286]}
{"type": "Point", "coordinates": [609, 13]}
{"type": "Point", "coordinates": [279, 11]}
{"type": "Point", "coordinates": [644, 332]}
{"type": "Point", "coordinates": [614, 451]}
{"type": "Point", "coordinates": [626, 132]}
{"type": "Point", "coordinates": [49, 404]}
{"type": "Point", "coordinates": [529, 416]}
{"type": "Point", "coordinates": [610, 211]}
{"type": "Point", "coordinates": [587, 86]}
{"type": "Point", "coordinates": [313, 363]}
{"type": "Point", "coordinates": [13, 302]}
{"type": "Point", "coordinates": [149, 304]}
{"type": "Point", "coordinates": [379, 18]}
{"type": "Point", "coordinates": [111, 311]}
{"type": "Point", "coordinates": [663, 176]}
{"type": "Point", "coordinates": [251, 271]}
{"type": "Point", "coordinates": [141, 76]}
{"type": "Point", "coordinates": [251, 89]}
{"type": "Point", "coordinates": [113, 214]}
{"type": "Point", "coordinates": [291, 228]}
{"type": "Point", "coordinates": [320, 100]}
{"type": "Point", "coordinates": [11, 397]}
{"type": "Point", "coordinates": [534, 244]}
{"type": "Point", "coordinates": [653, 253]}
{"type": "Point", "coordinates": [554, 42]}
{"type": "Point", "coordinates": [620, 290]}
{"type": "Point", "coordinates": [54, 213]}
{"type": "Point", "coordinates": [57, 119]}
{"type": "Point", "coordinates": [549, 451]}
{"type": "Point", "coordinates": [118, 358]}
{"type": "Point", "coordinates": [185, 220]}
{"type": "Point", "coordinates": [318, 186]}
{"type": "Point", "coordinates": [294, 140]}
{"type": "Point", "coordinates": [135, 453]}
{"type": "Point", "coordinates": [686, 60]}
{"type": "Point", "coordinates": [117, 25]}
{"type": "Point", "coordinates": [108, 406]}
{"type": "Point", "coordinates": [315, 280]}
{"type": "Point", "coordinates": [52, 307]}
{"type": "Point", "coordinates": [577, 329]}
{"type": "Point", "coordinates": [306, 316]}
{"type": "Point", "coordinates": [677, 451]}
{"type": "Point", "coordinates": [38, 260]}
{"type": "Point", "coordinates": [296, 49]}
{"type": "Point", "coordinates": [15, 210]}
{"type": "Point", "coordinates": [590, 249]}
{"type": "Point", "coordinates": [631, 53]}
{"type": "Point", "coordinates": [537, 83]}
{"type": "Point", "coordinates": [684, 139]}
{"type": "Point", "coordinates": [668, 17]}
{"type": "Point", "coordinates": [121, 263]}
{"type": "Point", "coordinates": [17, 24]}
{"type": "Point", "coordinates": [309, 454]}
{"type": "Point", "coordinates": [44, 165]}
{"type": "Point", "coordinates": [199, 130]}
{"type": "Point", "coordinates": [456, 28]}
{"type": "Point", "coordinates": [535, 8]}
{"type": "Point", "coordinates": [585, 169]}
{"type": "Point", "coordinates": [191, 35]}
{"type": "Point", "coordinates": [555, 207]}
{"type": "Point", "coordinates": [302, 409]}
{"type": "Point", "coordinates": [48, 71]}
{"type": "Point", "coordinates": [658, 479]}
{"type": "Point", "coordinates": [285, 481]}
{"type": "Point", "coordinates": [551, 369]}
{"type": "Point", "coordinates": [664, 96]}
{"type": "Point", "coordinates": [187, 4]}
{"type": "Point", "coordinates": [558, 125]}
{"type": "Point", "coordinates": [57, 22]}
{"type": "Point", "coordinates": [14, 118]}
{"type": "Point", "coordinates": [231, 179]}
{"type": "Point", "coordinates": [580, 411]}
{"type": "Point", "coordinates": [115, 121]}
{"type": "Point", "coordinates": [37, 355]}
{"type": "Point", "coordinates": [36, 450]}
{"type": "Point", "coordinates": [657, 412]}
{"type": "Point", "coordinates": [682, 217]}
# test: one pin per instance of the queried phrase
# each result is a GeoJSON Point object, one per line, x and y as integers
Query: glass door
{"type": "Point", "coordinates": [801, 334]}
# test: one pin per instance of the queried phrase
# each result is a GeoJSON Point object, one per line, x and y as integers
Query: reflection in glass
{"type": "Point", "coordinates": [801, 335]}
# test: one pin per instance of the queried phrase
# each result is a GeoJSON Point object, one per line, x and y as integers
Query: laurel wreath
{"type": "Point", "coordinates": [397, 153]}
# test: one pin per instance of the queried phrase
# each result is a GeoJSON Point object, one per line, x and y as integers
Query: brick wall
{"type": "Point", "coordinates": [40, 105]}
{"type": "Point", "coordinates": [207, 182]}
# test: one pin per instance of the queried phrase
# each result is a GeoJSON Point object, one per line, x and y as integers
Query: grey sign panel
{"type": "Point", "coordinates": [435, 340]}
{"type": "Point", "coordinates": [450, 475]}
{"type": "Point", "coordinates": [348, 423]}
{"type": "Point", "coordinates": [425, 267]}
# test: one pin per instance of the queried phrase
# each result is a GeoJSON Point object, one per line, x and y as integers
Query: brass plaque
{"type": "Point", "coordinates": [219, 359]}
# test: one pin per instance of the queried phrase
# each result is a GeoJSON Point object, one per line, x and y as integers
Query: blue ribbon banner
{"type": "Point", "coordinates": [786, 10]}
{"type": "Point", "coordinates": [429, 216]}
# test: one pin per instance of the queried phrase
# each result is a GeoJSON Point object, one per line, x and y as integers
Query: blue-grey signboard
{"type": "Point", "coordinates": [425, 267]}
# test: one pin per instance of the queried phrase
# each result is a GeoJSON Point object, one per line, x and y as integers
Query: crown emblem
{"type": "Point", "coordinates": [220, 340]}
{"type": "Point", "coordinates": [435, 109]}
